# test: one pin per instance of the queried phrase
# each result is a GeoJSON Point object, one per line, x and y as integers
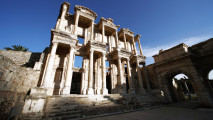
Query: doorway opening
{"type": "Point", "coordinates": [181, 88]}
{"type": "Point", "coordinates": [76, 83]}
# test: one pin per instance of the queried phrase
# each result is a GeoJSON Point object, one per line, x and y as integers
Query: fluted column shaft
{"type": "Point", "coordinates": [146, 75]}
{"type": "Point", "coordinates": [103, 33]}
{"type": "Point", "coordinates": [125, 45]}
{"type": "Point", "coordinates": [139, 43]}
{"type": "Point", "coordinates": [46, 81]}
{"type": "Point", "coordinates": [140, 80]}
{"type": "Point", "coordinates": [92, 31]}
{"type": "Point", "coordinates": [90, 90]}
{"type": "Point", "coordinates": [68, 82]}
{"type": "Point", "coordinates": [131, 89]}
{"type": "Point", "coordinates": [116, 39]}
{"type": "Point", "coordinates": [133, 43]}
{"type": "Point", "coordinates": [76, 23]}
{"type": "Point", "coordinates": [104, 89]}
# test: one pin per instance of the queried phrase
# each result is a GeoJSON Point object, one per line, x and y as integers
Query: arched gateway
{"type": "Point", "coordinates": [186, 60]}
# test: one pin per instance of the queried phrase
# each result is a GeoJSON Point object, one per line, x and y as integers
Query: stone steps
{"type": "Point", "coordinates": [77, 106]}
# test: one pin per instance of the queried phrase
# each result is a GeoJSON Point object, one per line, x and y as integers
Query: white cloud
{"type": "Point", "coordinates": [149, 51]}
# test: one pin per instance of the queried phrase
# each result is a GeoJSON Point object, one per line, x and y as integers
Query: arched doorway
{"type": "Point", "coordinates": [180, 87]}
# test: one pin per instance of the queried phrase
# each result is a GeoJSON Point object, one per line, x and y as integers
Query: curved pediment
{"type": "Point", "coordinates": [85, 10]}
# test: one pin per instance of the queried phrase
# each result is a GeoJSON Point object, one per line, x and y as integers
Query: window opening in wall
{"type": "Point", "coordinates": [81, 40]}
{"type": "Point", "coordinates": [107, 63]}
{"type": "Point", "coordinates": [78, 61]}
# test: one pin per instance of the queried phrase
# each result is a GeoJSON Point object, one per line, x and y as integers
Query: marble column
{"type": "Point", "coordinates": [125, 44]}
{"type": "Point", "coordinates": [103, 33]}
{"type": "Point", "coordinates": [116, 39]}
{"type": "Point", "coordinates": [131, 89]}
{"type": "Point", "coordinates": [83, 87]}
{"type": "Point", "coordinates": [146, 75]}
{"type": "Point", "coordinates": [76, 23]}
{"type": "Point", "coordinates": [133, 43]}
{"type": "Point", "coordinates": [92, 30]}
{"type": "Point", "coordinates": [121, 77]}
{"type": "Point", "coordinates": [104, 89]}
{"type": "Point", "coordinates": [47, 77]}
{"type": "Point", "coordinates": [140, 80]}
{"type": "Point", "coordinates": [90, 90]}
{"type": "Point", "coordinates": [64, 9]}
{"type": "Point", "coordinates": [139, 43]}
{"type": "Point", "coordinates": [85, 36]}
{"type": "Point", "coordinates": [67, 86]}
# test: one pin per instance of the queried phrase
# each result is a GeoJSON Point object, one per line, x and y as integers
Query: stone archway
{"type": "Point", "coordinates": [177, 90]}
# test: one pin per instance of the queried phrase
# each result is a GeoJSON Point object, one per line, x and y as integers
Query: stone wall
{"type": "Point", "coordinates": [176, 51]}
{"type": "Point", "coordinates": [15, 83]}
{"type": "Point", "coordinates": [27, 59]}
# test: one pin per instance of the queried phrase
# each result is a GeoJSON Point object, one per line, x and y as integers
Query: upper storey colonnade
{"type": "Point", "coordinates": [81, 24]}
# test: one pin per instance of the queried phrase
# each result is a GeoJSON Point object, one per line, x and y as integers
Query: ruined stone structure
{"type": "Point", "coordinates": [195, 62]}
{"type": "Point", "coordinates": [55, 89]}
{"type": "Point", "coordinates": [102, 42]}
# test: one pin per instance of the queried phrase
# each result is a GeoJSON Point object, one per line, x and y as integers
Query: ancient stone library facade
{"type": "Point", "coordinates": [48, 86]}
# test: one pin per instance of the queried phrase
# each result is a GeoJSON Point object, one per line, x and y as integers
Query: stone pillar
{"type": "Point", "coordinates": [64, 10]}
{"type": "Point", "coordinates": [139, 43]}
{"type": "Point", "coordinates": [104, 89]}
{"type": "Point", "coordinates": [103, 33]}
{"type": "Point", "coordinates": [140, 77]}
{"type": "Point", "coordinates": [116, 39]}
{"type": "Point", "coordinates": [85, 36]}
{"type": "Point", "coordinates": [187, 89]}
{"type": "Point", "coordinates": [92, 30]}
{"type": "Point", "coordinates": [67, 86]}
{"type": "Point", "coordinates": [146, 76]}
{"type": "Point", "coordinates": [46, 81]}
{"type": "Point", "coordinates": [76, 23]}
{"type": "Point", "coordinates": [125, 45]}
{"type": "Point", "coordinates": [109, 44]}
{"type": "Point", "coordinates": [83, 77]}
{"type": "Point", "coordinates": [90, 90]}
{"type": "Point", "coordinates": [133, 43]}
{"type": "Point", "coordinates": [131, 89]}
{"type": "Point", "coordinates": [120, 71]}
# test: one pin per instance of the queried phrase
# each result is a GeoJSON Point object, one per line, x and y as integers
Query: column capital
{"type": "Point", "coordinates": [91, 50]}
{"type": "Point", "coordinates": [55, 43]}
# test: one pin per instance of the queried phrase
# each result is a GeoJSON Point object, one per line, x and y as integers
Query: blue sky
{"type": "Point", "coordinates": [162, 23]}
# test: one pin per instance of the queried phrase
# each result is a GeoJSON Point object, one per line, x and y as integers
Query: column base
{"type": "Point", "coordinates": [90, 91]}
{"type": "Point", "coordinates": [131, 91]}
{"type": "Point", "coordinates": [122, 91]}
{"type": "Point", "coordinates": [66, 91]}
{"type": "Point", "coordinates": [84, 91]}
{"type": "Point", "coordinates": [142, 91]}
{"type": "Point", "coordinates": [104, 91]}
{"type": "Point", "coordinates": [98, 91]}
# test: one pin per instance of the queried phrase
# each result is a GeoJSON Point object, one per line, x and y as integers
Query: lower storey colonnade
{"type": "Point", "coordinates": [120, 77]}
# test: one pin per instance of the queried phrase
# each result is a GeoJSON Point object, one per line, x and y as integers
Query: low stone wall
{"type": "Point", "coordinates": [27, 59]}
{"type": "Point", "coordinates": [15, 83]}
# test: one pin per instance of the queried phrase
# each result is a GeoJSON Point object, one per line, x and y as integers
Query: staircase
{"type": "Point", "coordinates": [74, 106]}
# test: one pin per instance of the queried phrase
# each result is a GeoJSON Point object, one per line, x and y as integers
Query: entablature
{"type": "Point", "coordinates": [63, 37]}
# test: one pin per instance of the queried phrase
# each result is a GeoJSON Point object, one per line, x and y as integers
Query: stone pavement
{"type": "Point", "coordinates": [171, 112]}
